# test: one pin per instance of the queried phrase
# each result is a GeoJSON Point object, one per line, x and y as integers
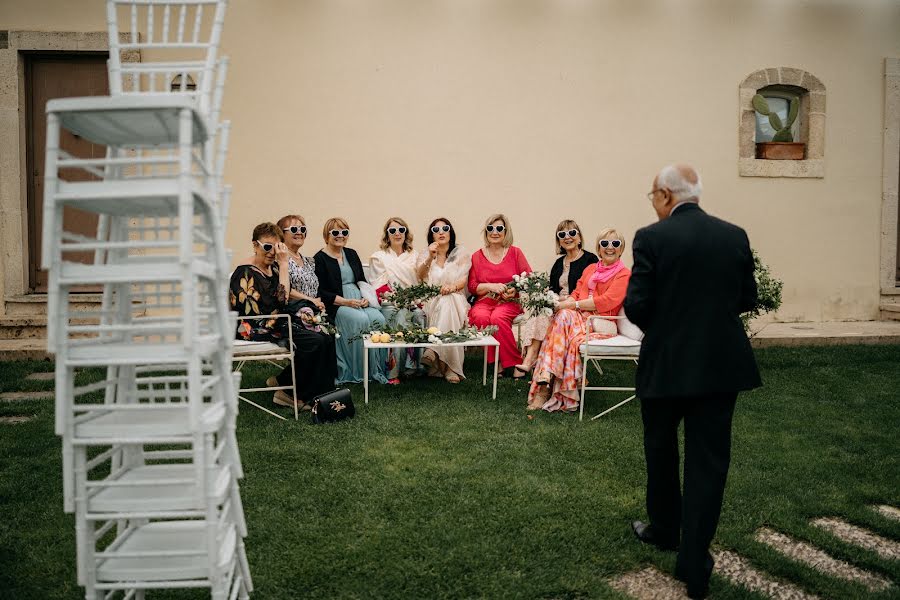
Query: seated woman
{"type": "Point", "coordinates": [564, 276]}
{"type": "Point", "coordinates": [392, 265]}
{"type": "Point", "coordinates": [492, 269]}
{"type": "Point", "coordinates": [261, 287]}
{"type": "Point", "coordinates": [447, 265]}
{"type": "Point", "coordinates": [304, 283]}
{"type": "Point", "coordinates": [600, 291]}
{"type": "Point", "coordinates": [340, 272]}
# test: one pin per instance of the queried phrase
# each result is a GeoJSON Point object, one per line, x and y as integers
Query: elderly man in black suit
{"type": "Point", "coordinates": [692, 278]}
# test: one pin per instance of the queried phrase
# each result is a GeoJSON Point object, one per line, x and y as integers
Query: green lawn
{"type": "Point", "coordinates": [437, 491]}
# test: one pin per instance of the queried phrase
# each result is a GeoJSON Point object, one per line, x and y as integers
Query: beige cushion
{"type": "Point", "coordinates": [627, 328]}
{"type": "Point", "coordinates": [614, 346]}
{"type": "Point", "coordinates": [604, 326]}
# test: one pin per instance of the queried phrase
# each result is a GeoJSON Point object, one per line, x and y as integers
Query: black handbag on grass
{"type": "Point", "coordinates": [332, 406]}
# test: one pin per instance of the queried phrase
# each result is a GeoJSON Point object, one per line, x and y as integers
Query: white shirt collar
{"type": "Point", "coordinates": [680, 204]}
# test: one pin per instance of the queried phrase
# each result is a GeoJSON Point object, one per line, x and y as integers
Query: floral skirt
{"type": "Point", "coordinates": [560, 357]}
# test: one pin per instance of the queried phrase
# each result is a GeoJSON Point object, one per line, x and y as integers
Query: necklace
{"type": "Point", "coordinates": [494, 256]}
{"type": "Point", "coordinates": [296, 255]}
{"type": "Point", "coordinates": [568, 261]}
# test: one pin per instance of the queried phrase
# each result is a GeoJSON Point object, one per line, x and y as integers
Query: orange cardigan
{"type": "Point", "coordinates": [609, 296]}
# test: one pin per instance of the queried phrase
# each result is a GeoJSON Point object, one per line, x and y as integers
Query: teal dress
{"type": "Point", "coordinates": [350, 322]}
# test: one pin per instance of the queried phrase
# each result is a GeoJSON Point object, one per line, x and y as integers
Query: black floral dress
{"type": "Point", "coordinates": [253, 293]}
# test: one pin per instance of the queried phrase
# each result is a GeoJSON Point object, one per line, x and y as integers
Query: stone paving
{"type": "Point", "coordinates": [14, 420]}
{"type": "Point", "coordinates": [739, 571]}
{"type": "Point", "coordinates": [41, 376]}
{"type": "Point", "coordinates": [14, 396]}
{"type": "Point", "coordinates": [819, 560]}
{"type": "Point", "coordinates": [858, 536]}
{"type": "Point", "coordinates": [888, 511]}
{"type": "Point", "coordinates": [651, 584]}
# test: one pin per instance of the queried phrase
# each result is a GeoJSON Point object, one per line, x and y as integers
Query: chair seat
{"type": "Point", "coordinates": [244, 348]}
{"type": "Point", "coordinates": [615, 346]}
{"type": "Point", "coordinates": [129, 120]}
{"type": "Point", "coordinates": [160, 271]}
{"type": "Point", "coordinates": [163, 422]}
{"type": "Point", "coordinates": [176, 538]}
{"type": "Point", "coordinates": [155, 494]}
{"type": "Point", "coordinates": [130, 353]}
{"type": "Point", "coordinates": [156, 197]}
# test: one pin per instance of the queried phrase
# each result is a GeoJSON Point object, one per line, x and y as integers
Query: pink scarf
{"type": "Point", "coordinates": [603, 274]}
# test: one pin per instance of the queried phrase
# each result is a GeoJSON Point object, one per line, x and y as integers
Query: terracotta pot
{"type": "Point", "coordinates": [780, 150]}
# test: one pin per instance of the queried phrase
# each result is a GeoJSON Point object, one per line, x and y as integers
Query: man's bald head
{"type": "Point", "coordinates": [682, 181]}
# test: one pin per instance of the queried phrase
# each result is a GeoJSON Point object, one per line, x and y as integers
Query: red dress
{"type": "Point", "coordinates": [489, 311]}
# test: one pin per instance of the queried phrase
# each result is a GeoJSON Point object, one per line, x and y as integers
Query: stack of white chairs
{"type": "Point", "coordinates": [150, 457]}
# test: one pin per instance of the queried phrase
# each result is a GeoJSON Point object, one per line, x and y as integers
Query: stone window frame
{"type": "Point", "coordinates": [13, 172]}
{"type": "Point", "coordinates": [812, 125]}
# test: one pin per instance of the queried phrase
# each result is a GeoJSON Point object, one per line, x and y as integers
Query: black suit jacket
{"type": "Point", "coordinates": [576, 268]}
{"type": "Point", "coordinates": [328, 270]}
{"type": "Point", "coordinates": [692, 277]}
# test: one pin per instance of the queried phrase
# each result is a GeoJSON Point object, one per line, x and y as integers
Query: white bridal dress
{"type": "Point", "coordinates": [449, 312]}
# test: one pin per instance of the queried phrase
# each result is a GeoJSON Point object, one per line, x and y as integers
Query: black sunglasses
{"type": "Point", "coordinates": [606, 243]}
{"type": "Point", "coordinates": [491, 228]}
{"type": "Point", "coordinates": [439, 228]}
{"type": "Point", "coordinates": [393, 230]}
{"type": "Point", "coordinates": [265, 247]}
{"type": "Point", "coordinates": [296, 229]}
{"type": "Point", "coordinates": [339, 232]}
{"type": "Point", "coordinates": [564, 234]}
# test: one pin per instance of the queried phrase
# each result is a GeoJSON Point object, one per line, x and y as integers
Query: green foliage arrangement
{"type": "Point", "coordinates": [535, 295]}
{"type": "Point", "coordinates": [411, 296]}
{"type": "Point", "coordinates": [420, 335]}
{"type": "Point", "coordinates": [768, 292]}
{"type": "Point", "coordinates": [782, 130]}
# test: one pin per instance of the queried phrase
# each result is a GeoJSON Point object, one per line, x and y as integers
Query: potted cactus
{"type": "Point", "coordinates": [782, 146]}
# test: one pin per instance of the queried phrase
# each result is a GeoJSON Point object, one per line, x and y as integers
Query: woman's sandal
{"type": "Point", "coordinates": [451, 377]}
{"type": "Point", "coordinates": [517, 370]}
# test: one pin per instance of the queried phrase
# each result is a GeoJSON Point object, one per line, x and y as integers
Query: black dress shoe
{"type": "Point", "coordinates": [645, 533]}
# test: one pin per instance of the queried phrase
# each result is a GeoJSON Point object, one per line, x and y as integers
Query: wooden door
{"type": "Point", "coordinates": [49, 76]}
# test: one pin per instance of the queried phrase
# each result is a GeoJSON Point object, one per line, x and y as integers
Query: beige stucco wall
{"type": "Point", "coordinates": [547, 109]}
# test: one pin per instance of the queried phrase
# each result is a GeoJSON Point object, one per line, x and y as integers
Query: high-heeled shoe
{"type": "Point", "coordinates": [524, 370]}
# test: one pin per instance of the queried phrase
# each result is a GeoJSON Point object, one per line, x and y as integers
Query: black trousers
{"type": "Point", "coordinates": [694, 514]}
{"type": "Point", "coordinates": [315, 364]}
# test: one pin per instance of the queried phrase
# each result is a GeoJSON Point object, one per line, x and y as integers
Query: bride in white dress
{"type": "Point", "coordinates": [447, 265]}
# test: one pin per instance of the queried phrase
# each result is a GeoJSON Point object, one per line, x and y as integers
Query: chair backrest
{"type": "Point", "coordinates": [172, 31]}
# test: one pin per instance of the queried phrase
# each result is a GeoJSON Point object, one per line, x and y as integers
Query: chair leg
{"type": "Point", "coordinates": [584, 368]}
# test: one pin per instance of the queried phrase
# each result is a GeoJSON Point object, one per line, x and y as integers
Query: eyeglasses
{"type": "Point", "coordinates": [265, 247]}
{"type": "Point", "coordinates": [393, 230]}
{"type": "Point", "coordinates": [440, 228]}
{"type": "Point", "coordinates": [340, 232]}
{"type": "Point", "coordinates": [492, 228]}
{"type": "Point", "coordinates": [608, 243]}
{"type": "Point", "coordinates": [296, 229]}
{"type": "Point", "coordinates": [564, 234]}
{"type": "Point", "coordinates": [652, 193]}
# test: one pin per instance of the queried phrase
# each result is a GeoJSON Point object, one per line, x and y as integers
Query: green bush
{"type": "Point", "coordinates": [768, 292]}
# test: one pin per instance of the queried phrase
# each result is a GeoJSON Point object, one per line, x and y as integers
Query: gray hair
{"type": "Point", "coordinates": [682, 180]}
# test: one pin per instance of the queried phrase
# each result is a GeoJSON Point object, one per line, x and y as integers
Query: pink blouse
{"type": "Point", "coordinates": [484, 271]}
